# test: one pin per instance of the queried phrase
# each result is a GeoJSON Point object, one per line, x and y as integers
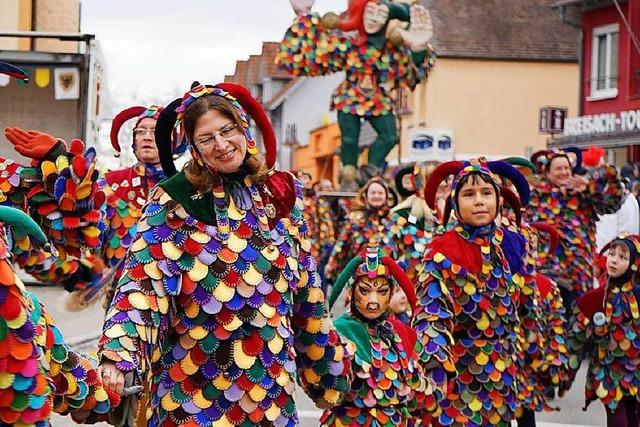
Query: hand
{"type": "Point", "coordinates": [577, 183]}
{"type": "Point", "coordinates": [31, 144]}
{"type": "Point", "coordinates": [420, 31]}
{"type": "Point", "coordinates": [302, 7]}
{"type": "Point", "coordinates": [112, 377]}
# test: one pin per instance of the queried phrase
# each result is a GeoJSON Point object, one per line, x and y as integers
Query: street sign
{"type": "Point", "coordinates": [552, 119]}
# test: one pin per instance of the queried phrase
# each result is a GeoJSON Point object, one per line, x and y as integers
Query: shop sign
{"type": "Point", "coordinates": [624, 121]}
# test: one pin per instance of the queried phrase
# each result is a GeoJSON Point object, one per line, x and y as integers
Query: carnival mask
{"type": "Point", "coordinates": [372, 296]}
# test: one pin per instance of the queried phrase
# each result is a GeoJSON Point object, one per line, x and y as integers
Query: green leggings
{"type": "Point", "coordinates": [385, 127]}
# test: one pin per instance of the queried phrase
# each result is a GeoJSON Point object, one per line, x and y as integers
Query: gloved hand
{"type": "Point", "coordinates": [33, 144]}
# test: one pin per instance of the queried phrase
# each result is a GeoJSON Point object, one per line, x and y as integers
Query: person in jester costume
{"type": "Point", "coordinates": [542, 359]}
{"type": "Point", "coordinates": [127, 189]}
{"type": "Point", "coordinates": [41, 374]}
{"type": "Point", "coordinates": [389, 381]}
{"type": "Point", "coordinates": [356, 42]}
{"type": "Point", "coordinates": [605, 329]}
{"type": "Point", "coordinates": [412, 224]}
{"type": "Point", "coordinates": [572, 203]}
{"type": "Point", "coordinates": [219, 309]}
{"type": "Point", "coordinates": [58, 191]}
{"type": "Point", "coordinates": [468, 291]}
{"type": "Point", "coordinates": [365, 224]}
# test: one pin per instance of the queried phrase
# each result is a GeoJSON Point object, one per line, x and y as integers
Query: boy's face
{"type": "Point", "coordinates": [477, 202]}
{"type": "Point", "coordinates": [617, 260]}
{"type": "Point", "coordinates": [372, 297]}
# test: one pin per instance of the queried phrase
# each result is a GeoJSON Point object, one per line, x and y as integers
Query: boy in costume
{"type": "Point", "coordinates": [389, 380]}
{"type": "Point", "coordinates": [605, 329]}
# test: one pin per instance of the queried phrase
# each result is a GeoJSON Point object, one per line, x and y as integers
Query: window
{"type": "Point", "coordinates": [604, 62]}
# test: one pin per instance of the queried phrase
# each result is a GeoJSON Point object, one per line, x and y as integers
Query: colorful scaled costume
{"type": "Point", "coordinates": [542, 363]}
{"type": "Point", "coordinates": [412, 225]}
{"type": "Point", "coordinates": [219, 307]}
{"type": "Point", "coordinates": [40, 373]}
{"type": "Point", "coordinates": [388, 381]}
{"type": "Point", "coordinates": [606, 330]}
{"type": "Point", "coordinates": [126, 192]}
{"type": "Point", "coordinates": [554, 367]}
{"type": "Point", "coordinates": [575, 215]}
{"type": "Point", "coordinates": [467, 318]}
{"type": "Point", "coordinates": [367, 224]}
{"type": "Point", "coordinates": [374, 66]}
{"type": "Point", "coordinates": [317, 214]}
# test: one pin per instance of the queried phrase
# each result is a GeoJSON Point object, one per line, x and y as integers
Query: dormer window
{"type": "Point", "coordinates": [604, 62]}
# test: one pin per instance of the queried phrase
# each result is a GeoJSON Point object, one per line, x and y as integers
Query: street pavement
{"type": "Point", "coordinates": [82, 329]}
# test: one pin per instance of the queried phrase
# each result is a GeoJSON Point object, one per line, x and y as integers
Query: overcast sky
{"type": "Point", "coordinates": [153, 50]}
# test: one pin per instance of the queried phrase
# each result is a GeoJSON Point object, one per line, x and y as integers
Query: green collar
{"type": "Point", "coordinates": [354, 330]}
{"type": "Point", "coordinates": [182, 191]}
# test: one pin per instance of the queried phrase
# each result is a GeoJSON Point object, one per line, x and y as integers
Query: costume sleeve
{"type": "Point", "coordinates": [433, 323]}
{"type": "Point", "coordinates": [77, 387]}
{"type": "Point", "coordinates": [555, 369]}
{"type": "Point", "coordinates": [43, 374]}
{"type": "Point", "coordinates": [139, 310]}
{"type": "Point", "coordinates": [309, 50]}
{"type": "Point", "coordinates": [578, 341]}
{"type": "Point", "coordinates": [66, 200]}
{"type": "Point", "coordinates": [322, 359]}
{"type": "Point", "coordinates": [606, 191]}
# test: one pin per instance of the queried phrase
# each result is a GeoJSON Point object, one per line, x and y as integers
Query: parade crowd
{"type": "Point", "coordinates": [461, 293]}
{"type": "Point", "coordinates": [470, 291]}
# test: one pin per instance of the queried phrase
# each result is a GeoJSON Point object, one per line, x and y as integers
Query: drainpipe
{"type": "Point", "coordinates": [567, 21]}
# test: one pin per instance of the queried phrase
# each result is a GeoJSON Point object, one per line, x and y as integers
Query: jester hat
{"type": "Point", "coordinates": [13, 71]}
{"type": "Point", "coordinates": [400, 188]}
{"type": "Point", "coordinates": [373, 263]}
{"type": "Point", "coordinates": [543, 158]}
{"type": "Point", "coordinates": [24, 225]}
{"type": "Point", "coordinates": [125, 115]}
{"type": "Point", "coordinates": [481, 166]}
{"type": "Point", "coordinates": [239, 97]}
{"type": "Point", "coordinates": [521, 163]}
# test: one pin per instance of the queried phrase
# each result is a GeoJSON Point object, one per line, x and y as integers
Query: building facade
{"type": "Point", "coordinates": [67, 89]}
{"type": "Point", "coordinates": [609, 96]}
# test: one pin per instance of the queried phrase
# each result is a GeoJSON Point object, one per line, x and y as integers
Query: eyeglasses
{"type": "Point", "coordinates": [226, 133]}
{"type": "Point", "coordinates": [142, 131]}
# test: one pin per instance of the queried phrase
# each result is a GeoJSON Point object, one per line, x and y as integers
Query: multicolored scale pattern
{"type": "Point", "coordinates": [575, 215]}
{"type": "Point", "coordinates": [221, 328]}
{"type": "Point", "coordinates": [363, 226]}
{"type": "Point", "coordinates": [407, 241]}
{"type": "Point", "coordinates": [66, 200]}
{"type": "Point", "coordinates": [613, 348]}
{"type": "Point", "coordinates": [122, 211]}
{"type": "Point", "coordinates": [555, 368]}
{"type": "Point", "coordinates": [384, 391]}
{"type": "Point", "coordinates": [468, 324]}
{"type": "Point", "coordinates": [309, 50]}
{"type": "Point", "coordinates": [321, 230]}
{"type": "Point", "coordinates": [39, 373]}
{"type": "Point", "coordinates": [531, 343]}
{"type": "Point", "coordinates": [61, 195]}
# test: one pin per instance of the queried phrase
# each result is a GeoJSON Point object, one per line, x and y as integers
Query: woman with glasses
{"type": "Point", "coordinates": [219, 310]}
